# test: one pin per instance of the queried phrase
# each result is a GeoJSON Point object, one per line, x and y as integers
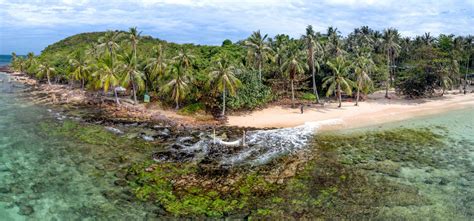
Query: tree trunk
{"type": "Point", "coordinates": [260, 71]}
{"type": "Point", "coordinates": [387, 84]}
{"type": "Point", "coordinates": [315, 88]}
{"type": "Point", "coordinates": [223, 102]}
{"type": "Point", "coordinates": [292, 95]}
{"type": "Point", "coordinates": [47, 76]}
{"type": "Point", "coordinates": [134, 92]}
{"type": "Point", "coordinates": [465, 75]}
{"type": "Point", "coordinates": [82, 84]}
{"type": "Point", "coordinates": [357, 96]}
{"type": "Point", "coordinates": [116, 96]}
{"type": "Point", "coordinates": [177, 105]}
{"type": "Point", "coordinates": [339, 94]}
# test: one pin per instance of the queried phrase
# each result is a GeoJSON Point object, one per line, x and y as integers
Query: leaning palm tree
{"type": "Point", "coordinates": [313, 46]}
{"type": "Point", "coordinates": [259, 50]}
{"type": "Point", "coordinates": [178, 85]}
{"type": "Point", "coordinates": [363, 66]}
{"type": "Point", "coordinates": [108, 75]}
{"type": "Point", "coordinates": [223, 76]}
{"type": "Point", "coordinates": [392, 48]}
{"type": "Point", "coordinates": [338, 81]}
{"type": "Point", "coordinates": [294, 65]}
{"type": "Point", "coordinates": [155, 66]}
{"type": "Point", "coordinates": [45, 69]}
{"type": "Point", "coordinates": [80, 67]}
{"type": "Point", "coordinates": [131, 75]}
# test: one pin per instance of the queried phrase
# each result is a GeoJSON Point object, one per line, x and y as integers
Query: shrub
{"type": "Point", "coordinates": [309, 97]}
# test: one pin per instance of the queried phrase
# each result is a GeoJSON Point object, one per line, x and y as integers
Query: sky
{"type": "Point", "coordinates": [32, 25]}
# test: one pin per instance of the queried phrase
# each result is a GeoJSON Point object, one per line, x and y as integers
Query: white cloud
{"type": "Point", "coordinates": [211, 21]}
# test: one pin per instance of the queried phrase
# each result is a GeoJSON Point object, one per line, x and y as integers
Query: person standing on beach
{"type": "Point", "coordinates": [301, 108]}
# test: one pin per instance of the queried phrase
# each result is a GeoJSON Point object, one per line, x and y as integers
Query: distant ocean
{"type": "Point", "coordinates": [5, 59]}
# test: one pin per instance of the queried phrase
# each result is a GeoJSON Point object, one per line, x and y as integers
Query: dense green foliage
{"type": "Point", "coordinates": [252, 72]}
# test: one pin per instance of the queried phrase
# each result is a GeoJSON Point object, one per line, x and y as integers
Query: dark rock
{"type": "Point", "coordinates": [5, 190]}
{"type": "Point", "coordinates": [17, 190]}
{"type": "Point", "coordinates": [130, 177]}
{"type": "Point", "coordinates": [26, 210]}
{"type": "Point", "coordinates": [443, 181]}
{"type": "Point", "coordinates": [121, 183]}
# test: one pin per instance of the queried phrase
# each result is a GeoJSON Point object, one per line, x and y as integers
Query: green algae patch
{"type": "Point", "coordinates": [89, 134]}
{"type": "Point", "coordinates": [183, 191]}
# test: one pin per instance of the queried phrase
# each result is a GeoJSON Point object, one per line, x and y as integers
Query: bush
{"type": "Point", "coordinates": [309, 97]}
{"type": "Point", "coordinates": [251, 94]}
{"type": "Point", "coordinates": [192, 109]}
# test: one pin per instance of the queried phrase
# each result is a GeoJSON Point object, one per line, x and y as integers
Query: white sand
{"type": "Point", "coordinates": [375, 110]}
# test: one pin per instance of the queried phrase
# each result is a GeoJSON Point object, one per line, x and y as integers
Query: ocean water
{"type": "Point", "coordinates": [5, 59]}
{"type": "Point", "coordinates": [53, 168]}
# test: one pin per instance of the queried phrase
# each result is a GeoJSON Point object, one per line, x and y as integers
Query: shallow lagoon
{"type": "Point", "coordinates": [53, 168]}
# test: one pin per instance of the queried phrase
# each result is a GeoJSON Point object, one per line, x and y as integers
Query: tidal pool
{"type": "Point", "coordinates": [55, 167]}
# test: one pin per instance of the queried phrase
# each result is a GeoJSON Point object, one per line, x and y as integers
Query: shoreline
{"type": "Point", "coordinates": [373, 111]}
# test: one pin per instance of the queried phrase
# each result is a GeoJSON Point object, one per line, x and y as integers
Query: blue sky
{"type": "Point", "coordinates": [32, 25]}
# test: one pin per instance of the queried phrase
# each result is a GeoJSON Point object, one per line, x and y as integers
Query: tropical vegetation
{"type": "Point", "coordinates": [250, 73]}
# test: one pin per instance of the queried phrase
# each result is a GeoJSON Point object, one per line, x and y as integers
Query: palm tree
{"type": "Point", "coordinates": [258, 50]}
{"type": "Point", "coordinates": [338, 81]}
{"type": "Point", "coordinates": [294, 65]}
{"type": "Point", "coordinates": [184, 58]}
{"type": "Point", "coordinates": [131, 74]}
{"type": "Point", "coordinates": [334, 44]}
{"type": "Point", "coordinates": [444, 78]}
{"type": "Point", "coordinates": [363, 66]}
{"type": "Point", "coordinates": [179, 83]}
{"type": "Point", "coordinates": [80, 66]}
{"type": "Point", "coordinates": [109, 43]}
{"type": "Point", "coordinates": [223, 75]}
{"type": "Point", "coordinates": [155, 66]}
{"type": "Point", "coordinates": [392, 49]}
{"type": "Point", "coordinates": [134, 37]}
{"type": "Point", "coordinates": [313, 46]}
{"type": "Point", "coordinates": [45, 69]}
{"type": "Point", "coordinates": [30, 63]}
{"type": "Point", "coordinates": [108, 75]}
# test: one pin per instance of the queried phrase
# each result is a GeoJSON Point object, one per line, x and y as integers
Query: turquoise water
{"type": "Point", "coordinates": [48, 174]}
{"type": "Point", "coordinates": [5, 59]}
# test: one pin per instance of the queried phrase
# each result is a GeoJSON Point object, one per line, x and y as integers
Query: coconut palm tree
{"type": "Point", "coordinates": [109, 43]}
{"type": "Point", "coordinates": [313, 47]}
{"type": "Point", "coordinates": [338, 81]}
{"type": "Point", "coordinates": [184, 58]}
{"type": "Point", "coordinates": [363, 66]}
{"type": "Point", "coordinates": [31, 63]}
{"type": "Point", "coordinates": [258, 50]}
{"type": "Point", "coordinates": [45, 69]}
{"type": "Point", "coordinates": [179, 83]}
{"type": "Point", "coordinates": [131, 75]}
{"type": "Point", "coordinates": [444, 78]}
{"type": "Point", "coordinates": [156, 66]}
{"type": "Point", "coordinates": [223, 77]}
{"type": "Point", "coordinates": [107, 75]}
{"type": "Point", "coordinates": [134, 38]}
{"type": "Point", "coordinates": [294, 64]}
{"type": "Point", "coordinates": [334, 43]}
{"type": "Point", "coordinates": [392, 48]}
{"type": "Point", "coordinates": [80, 67]}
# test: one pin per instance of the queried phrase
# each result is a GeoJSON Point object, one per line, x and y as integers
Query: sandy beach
{"type": "Point", "coordinates": [375, 110]}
